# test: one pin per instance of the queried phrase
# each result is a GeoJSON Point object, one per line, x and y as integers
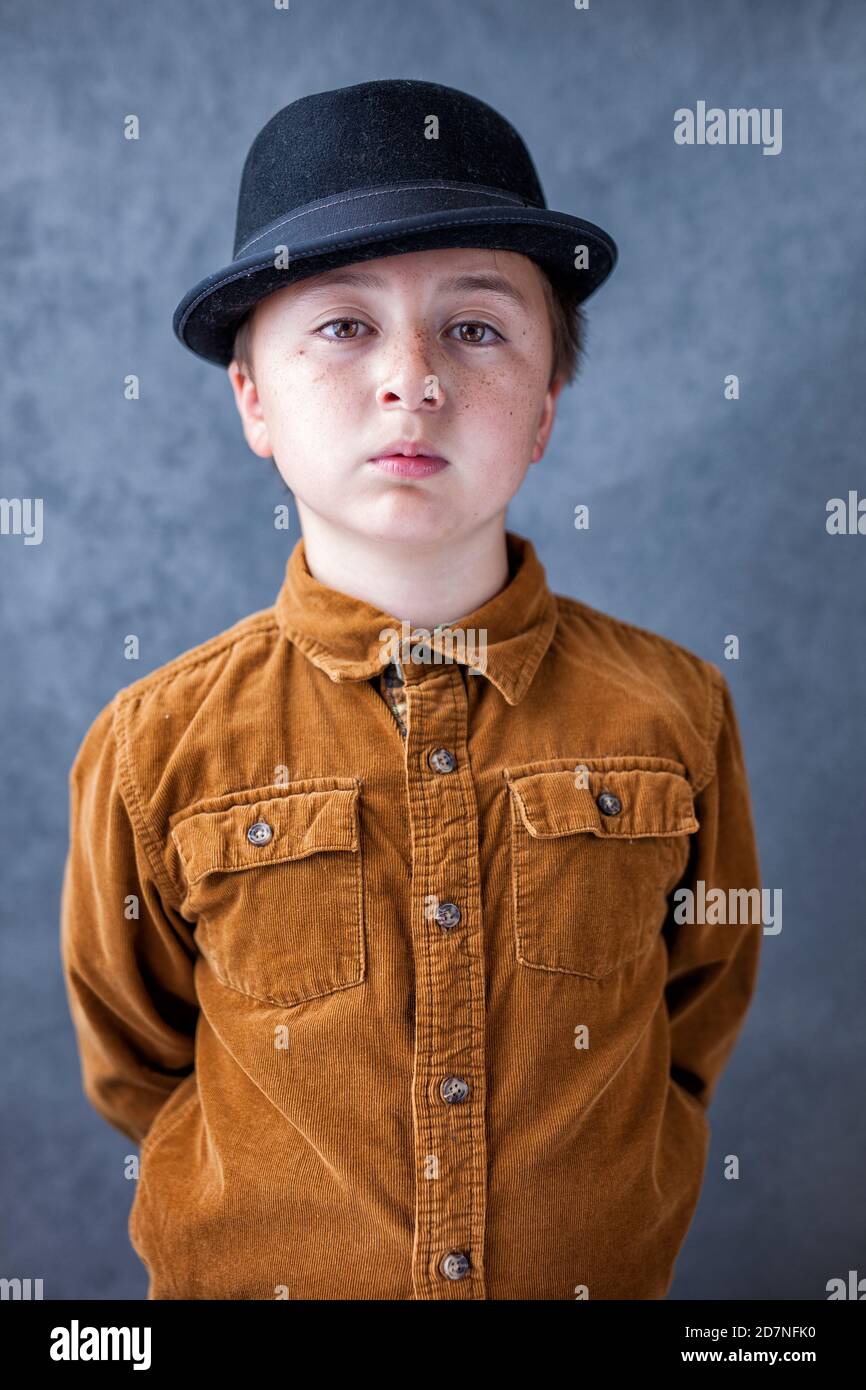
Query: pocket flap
{"type": "Point", "coordinates": [300, 823]}
{"type": "Point", "coordinates": [650, 803]}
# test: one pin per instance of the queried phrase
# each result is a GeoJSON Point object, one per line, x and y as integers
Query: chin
{"type": "Point", "coordinates": [407, 524]}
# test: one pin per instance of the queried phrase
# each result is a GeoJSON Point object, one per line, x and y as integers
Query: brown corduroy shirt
{"type": "Point", "coordinates": [405, 1012]}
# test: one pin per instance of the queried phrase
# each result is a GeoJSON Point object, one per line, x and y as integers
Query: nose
{"type": "Point", "coordinates": [408, 378]}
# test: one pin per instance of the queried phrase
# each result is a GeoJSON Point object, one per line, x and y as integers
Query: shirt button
{"type": "Point", "coordinates": [260, 833]}
{"type": "Point", "coordinates": [454, 1089]}
{"type": "Point", "coordinates": [442, 760]}
{"type": "Point", "coordinates": [454, 1265]}
{"type": "Point", "coordinates": [608, 804]}
{"type": "Point", "coordinates": [447, 915]}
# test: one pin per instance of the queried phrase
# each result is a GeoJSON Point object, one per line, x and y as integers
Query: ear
{"type": "Point", "coordinates": [249, 408]}
{"type": "Point", "coordinates": [545, 423]}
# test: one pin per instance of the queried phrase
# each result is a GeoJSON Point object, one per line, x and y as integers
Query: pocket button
{"type": "Point", "coordinates": [260, 833]}
{"type": "Point", "coordinates": [608, 804]}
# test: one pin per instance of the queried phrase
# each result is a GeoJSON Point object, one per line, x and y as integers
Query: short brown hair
{"type": "Point", "coordinates": [567, 322]}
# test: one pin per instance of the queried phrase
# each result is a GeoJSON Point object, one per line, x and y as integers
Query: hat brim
{"type": "Point", "coordinates": [207, 318]}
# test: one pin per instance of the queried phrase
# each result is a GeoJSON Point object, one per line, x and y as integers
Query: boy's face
{"type": "Point", "coordinates": [421, 347]}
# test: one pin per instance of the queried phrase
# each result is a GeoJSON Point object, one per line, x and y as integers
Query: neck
{"type": "Point", "coordinates": [426, 583]}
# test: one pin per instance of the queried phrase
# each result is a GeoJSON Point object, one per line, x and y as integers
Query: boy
{"type": "Point", "coordinates": [375, 944]}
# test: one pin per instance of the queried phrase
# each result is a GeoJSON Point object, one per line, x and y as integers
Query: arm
{"type": "Point", "coordinates": [129, 979]}
{"type": "Point", "coordinates": [712, 967]}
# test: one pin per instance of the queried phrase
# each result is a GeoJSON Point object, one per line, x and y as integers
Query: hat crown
{"type": "Point", "coordinates": [376, 133]}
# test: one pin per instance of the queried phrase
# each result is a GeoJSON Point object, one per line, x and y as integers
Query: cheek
{"type": "Point", "coordinates": [501, 411]}
{"type": "Point", "coordinates": [507, 403]}
{"type": "Point", "coordinates": [305, 399]}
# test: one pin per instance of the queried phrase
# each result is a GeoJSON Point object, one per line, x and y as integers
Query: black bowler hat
{"type": "Point", "coordinates": [377, 169]}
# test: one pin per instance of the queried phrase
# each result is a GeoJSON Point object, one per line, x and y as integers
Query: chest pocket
{"type": "Point", "coordinates": [596, 849]}
{"type": "Point", "coordinates": [274, 880]}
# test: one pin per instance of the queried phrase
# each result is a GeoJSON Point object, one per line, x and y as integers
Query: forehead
{"type": "Point", "coordinates": [504, 274]}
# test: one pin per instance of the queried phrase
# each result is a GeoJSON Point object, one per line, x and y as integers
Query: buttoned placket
{"type": "Point", "coordinates": [448, 1102]}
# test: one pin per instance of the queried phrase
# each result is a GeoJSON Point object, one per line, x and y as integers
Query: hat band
{"type": "Point", "coordinates": [357, 210]}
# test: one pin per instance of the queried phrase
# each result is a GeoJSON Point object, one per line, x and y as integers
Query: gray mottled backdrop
{"type": "Point", "coordinates": [707, 515]}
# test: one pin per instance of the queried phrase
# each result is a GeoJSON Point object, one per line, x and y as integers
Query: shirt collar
{"type": "Point", "coordinates": [342, 635]}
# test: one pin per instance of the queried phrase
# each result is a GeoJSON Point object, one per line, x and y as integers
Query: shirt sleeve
{"type": "Point", "coordinates": [127, 954]}
{"type": "Point", "coordinates": [713, 964]}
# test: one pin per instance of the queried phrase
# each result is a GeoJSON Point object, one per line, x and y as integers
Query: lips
{"type": "Point", "coordinates": [409, 448]}
{"type": "Point", "coordinates": [409, 458]}
{"type": "Point", "coordinates": [409, 466]}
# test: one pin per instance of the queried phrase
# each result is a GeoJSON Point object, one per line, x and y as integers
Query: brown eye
{"type": "Point", "coordinates": [339, 325]}
{"type": "Point", "coordinates": [477, 331]}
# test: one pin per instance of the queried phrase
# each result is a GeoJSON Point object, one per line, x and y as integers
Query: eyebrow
{"type": "Point", "coordinates": [457, 284]}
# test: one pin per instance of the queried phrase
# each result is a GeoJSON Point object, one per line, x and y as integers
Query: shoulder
{"type": "Point", "coordinates": [173, 717]}
{"type": "Point", "coordinates": [180, 684]}
{"type": "Point", "coordinates": [619, 642]}
{"type": "Point", "coordinates": [634, 664]}
{"type": "Point", "coordinates": [186, 676]}
{"type": "Point", "coordinates": [176, 735]}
